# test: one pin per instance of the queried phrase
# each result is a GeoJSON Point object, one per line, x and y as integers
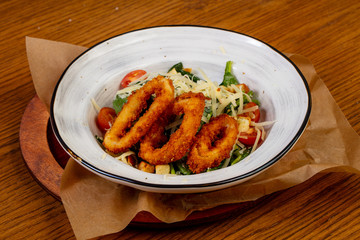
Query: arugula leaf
{"type": "Point", "coordinates": [229, 77]}
{"type": "Point", "coordinates": [118, 103]}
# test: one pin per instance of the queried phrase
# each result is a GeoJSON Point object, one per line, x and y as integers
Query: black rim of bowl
{"type": "Point", "coordinates": [184, 186]}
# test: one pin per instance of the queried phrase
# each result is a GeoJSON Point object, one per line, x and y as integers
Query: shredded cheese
{"type": "Point", "coordinates": [257, 140]}
{"type": "Point", "coordinates": [222, 49]}
{"type": "Point", "coordinates": [96, 106]}
{"type": "Point", "coordinates": [251, 109]}
{"type": "Point", "coordinates": [240, 144]}
{"type": "Point", "coordinates": [222, 106]}
{"type": "Point", "coordinates": [233, 113]}
{"type": "Point", "coordinates": [247, 96]}
{"type": "Point", "coordinates": [261, 124]}
{"type": "Point", "coordinates": [263, 133]}
{"type": "Point", "coordinates": [123, 156]}
{"type": "Point", "coordinates": [204, 119]}
{"type": "Point", "coordinates": [213, 91]}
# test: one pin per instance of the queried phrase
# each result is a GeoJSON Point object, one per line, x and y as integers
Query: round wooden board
{"type": "Point", "coordinates": [46, 160]}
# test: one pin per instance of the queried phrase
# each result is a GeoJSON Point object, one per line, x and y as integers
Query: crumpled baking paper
{"type": "Point", "coordinates": [98, 207]}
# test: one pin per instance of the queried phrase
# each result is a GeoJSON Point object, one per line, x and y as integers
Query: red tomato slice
{"type": "Point", "coordinates": [244, 87]}
{"type": "Point", "coordinates": [130, 77]}
{"type": "Point", "coordinates": [105, 118]}
{"type": "Point", "coordinates": [248, 138]}
{"type": "Point", "coordinates": [254, 115]}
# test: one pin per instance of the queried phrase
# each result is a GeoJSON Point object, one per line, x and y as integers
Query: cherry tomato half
{"type": "Point", "coordinates": [248, 138]}
{"type": "Point", "coordinates": [244, 87]}
{"type": "Point", "coordinates": [254, 115]}
{"type": "Point", "coordinates": [105, 118]}
{"type": "Point", "coordinates": [130, 77]}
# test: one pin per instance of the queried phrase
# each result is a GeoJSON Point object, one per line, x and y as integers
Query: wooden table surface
{"type": "Point", "coordinates": [326, 32]}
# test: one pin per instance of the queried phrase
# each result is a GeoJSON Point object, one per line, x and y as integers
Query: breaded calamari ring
{"type": "Point", "coordinates": [122, 135]}
{"type": "Point", "coordinates": [192, 106]}
{"type": "Point", "coordinates": [214, 143]}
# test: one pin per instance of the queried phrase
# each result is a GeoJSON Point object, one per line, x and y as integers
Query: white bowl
{"type": "Point", "coordinates": [280, 87]}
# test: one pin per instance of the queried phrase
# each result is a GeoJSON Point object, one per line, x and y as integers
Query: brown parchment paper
{"type": "Point", "coordinates": [98, 207]}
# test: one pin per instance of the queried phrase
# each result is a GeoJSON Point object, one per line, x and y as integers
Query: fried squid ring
{"type": "Point", "coordinates": [192, 106]}
{"type": "Point", "coordinates": [214, 143]}
{"type": "Point", "coordinates": [122, 135]}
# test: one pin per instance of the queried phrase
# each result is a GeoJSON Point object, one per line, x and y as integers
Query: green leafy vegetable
{"type": "Point", "coordinates": [99, 139]}
{"type": "Point", "coordinates": [183, 168]}
{"type": "Point", "coordinates": [218, 167]}
{"type": "Point", "coordinates": [207, 114]}
{"type": "Point", "coordinates": [253, 98]}
{"type": "Point", "coordinates": [227, 109]}
{"type": "Point", "coordinates": [172, 169]}
{"type": "Point", "coordinates": [229, 77]}
{"type": "Point", "coordinates": [239, 157]}
{"type": "Point", "coordinates": [118, 103]}
{"type": "Point", "coordinates": [180, 69]}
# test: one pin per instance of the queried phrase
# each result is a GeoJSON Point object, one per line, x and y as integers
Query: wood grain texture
{"type": "Point", "coordinates": [35, 149]}
{"type": "Point", "coordinates": [46, 160]}
{"type": "Point", "coordinates": [325, 31]}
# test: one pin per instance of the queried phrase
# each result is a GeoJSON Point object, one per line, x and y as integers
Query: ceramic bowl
{"type": "Point", "coordinates": [96, 74]}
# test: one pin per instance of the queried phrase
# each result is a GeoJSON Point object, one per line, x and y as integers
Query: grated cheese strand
{"type": "Point", "coordinates": [239, 143]}
{"type": "Point", "coordinates": [251, 109]}
{"type": "Point", "coordinates": [123, 156]}
{"type": "Point", "coordinates": [96, 106]}
{"type": "Point", "coordinates": [256, 141]}
{"type": "Point", "coordinates": [247, 96]}
{"type": "Point", "coordinates": [261, 124]}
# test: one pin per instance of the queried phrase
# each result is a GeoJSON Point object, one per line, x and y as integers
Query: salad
{"type": "Point", "coordinates": [230, 98]}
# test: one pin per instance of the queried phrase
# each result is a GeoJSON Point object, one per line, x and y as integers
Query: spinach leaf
{"type": "Point", "coordinates": [253, 98]}
{"type": "Point", "coordinates": [180, 69]}
{"type": "Point", "coordinates": [229, 77]}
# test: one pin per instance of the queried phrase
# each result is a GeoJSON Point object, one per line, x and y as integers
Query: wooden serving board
{"type": "Point", "coordinates": [46, 160]}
